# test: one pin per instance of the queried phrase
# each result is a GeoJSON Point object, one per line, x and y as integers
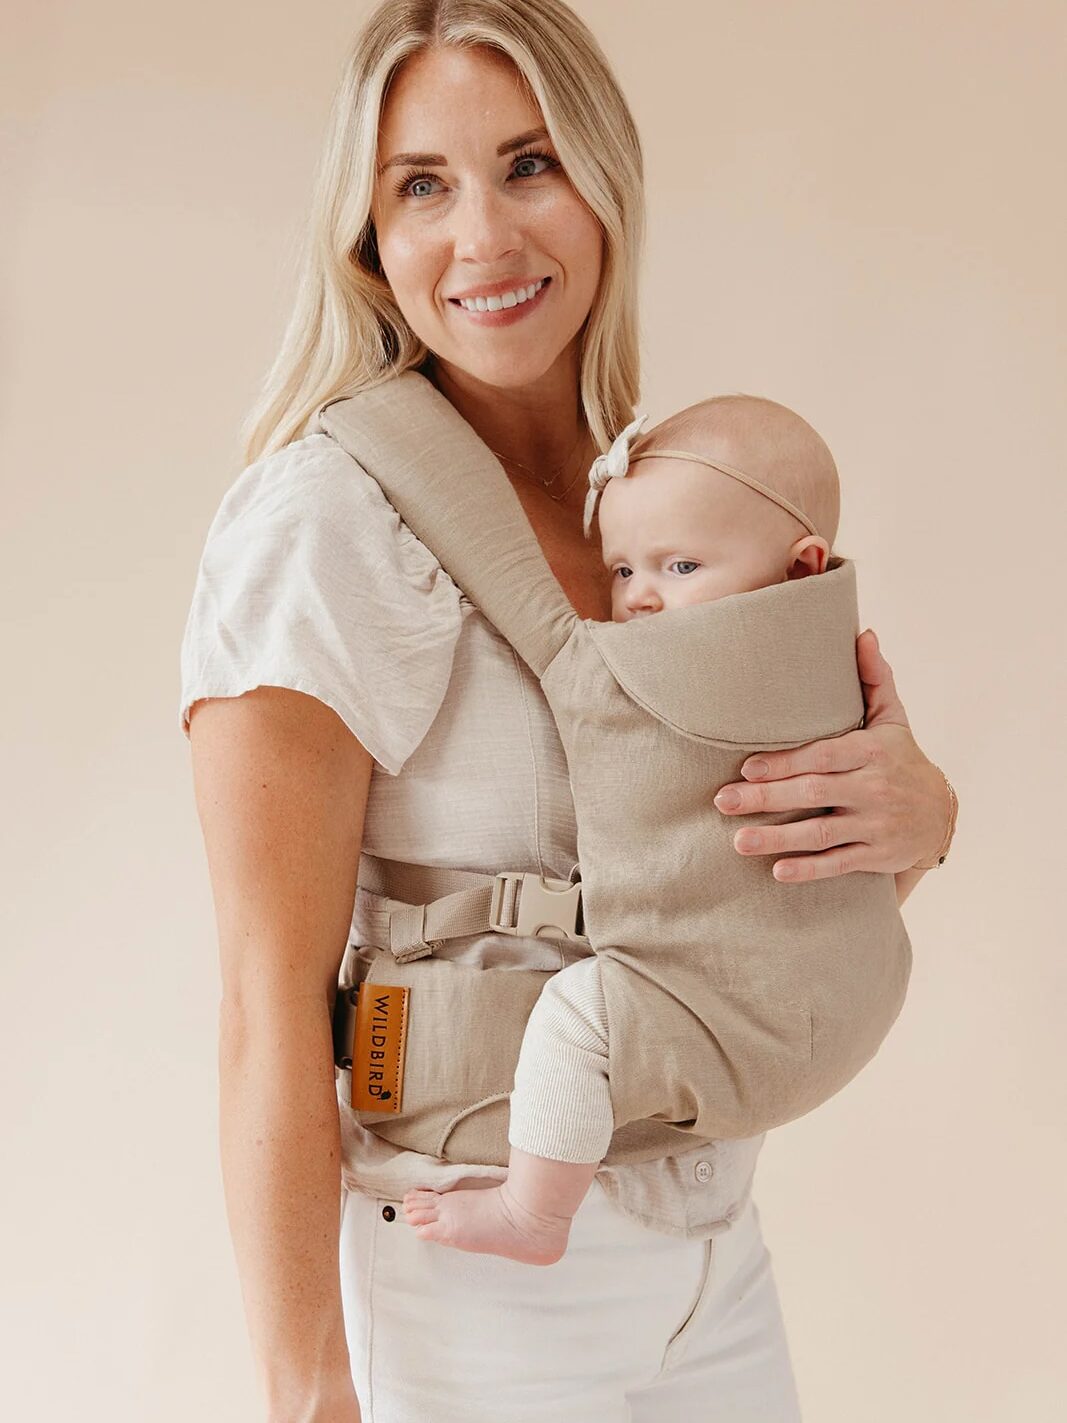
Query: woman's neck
{"type": "Point", "coordinates": [542, 429]}
{"type": "Point", "coordinates": [539, 429]}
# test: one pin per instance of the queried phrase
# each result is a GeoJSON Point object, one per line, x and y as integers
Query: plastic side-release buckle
{"type": "Point", "coordinates": [529, 905]}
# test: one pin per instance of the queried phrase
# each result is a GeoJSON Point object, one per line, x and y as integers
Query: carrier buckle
{"type": "Point", "coordinates": [529, 905]}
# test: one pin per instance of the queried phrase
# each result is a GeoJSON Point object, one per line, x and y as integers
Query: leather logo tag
{"type": "Point", "coordinates": [378, 1047]}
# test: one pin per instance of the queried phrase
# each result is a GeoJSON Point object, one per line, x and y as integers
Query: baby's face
{"type": "Point", "coordinates": [675, 533]}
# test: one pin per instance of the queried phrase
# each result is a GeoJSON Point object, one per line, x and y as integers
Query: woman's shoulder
{"type": "Point", "coordinates": [310, 477]}
{"type": "Point", "coordinates": [312, 495]}
{"type": "Point", "coordinates": [310, 579]}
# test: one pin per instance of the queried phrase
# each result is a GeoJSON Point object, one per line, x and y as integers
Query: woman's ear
{"type": "Point", "coordinates": [807, 556]}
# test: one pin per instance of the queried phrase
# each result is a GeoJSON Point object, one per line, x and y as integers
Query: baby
{"type": "Point", "coordinates": [734, 494]}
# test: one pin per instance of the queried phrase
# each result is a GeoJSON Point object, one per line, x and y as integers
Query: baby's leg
{"type": "Point", "coordinates": [561, 1124]}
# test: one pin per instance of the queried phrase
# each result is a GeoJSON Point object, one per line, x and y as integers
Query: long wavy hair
{"type": "Point", "coordinates": [346, 331]}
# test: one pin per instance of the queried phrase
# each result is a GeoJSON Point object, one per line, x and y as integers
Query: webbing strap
{"type": "Point", "coordinates": [415, 884]}
{"type": "Point", "coordinates": [452, 492]}
{"type": "Point", "coordinates": [511, 902]}
{"type": "Point", "coordinates": [414, 929]}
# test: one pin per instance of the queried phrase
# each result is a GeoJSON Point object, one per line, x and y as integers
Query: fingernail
{"type": "Point", "coordinates": [749, 840]}
{"type": "Point", "coordinates": [728, 800]}
{"type": "Point", "coordinates": [784, 870]}
{"type": "Point", "coordinates": [755, 770]}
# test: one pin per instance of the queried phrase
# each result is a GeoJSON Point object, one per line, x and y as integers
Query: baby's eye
{"type": "Point", "coordinates": [685, 565]}
{"type": "Point", "coordinates": [622, 571]}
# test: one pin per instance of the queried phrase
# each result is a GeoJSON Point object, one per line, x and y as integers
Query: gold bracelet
{"type": "Point", "coordinates": [935, 861]}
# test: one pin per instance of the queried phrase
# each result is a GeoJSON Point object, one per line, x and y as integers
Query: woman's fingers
{"type": "Point", "coordinates": [887, 804]}
{"type": "Point", "coordinates": [839, 753]}
{"type": "Point", "coordinates": [817, 833]}
{"type": "Point", "coordinates": [803, 868]}
{"type": "Point", "coordinates": [830, 837]}
{"type": "Point", "coordinates": [815, 776]}
{"type": "Point", "coordinates": [879, 689]}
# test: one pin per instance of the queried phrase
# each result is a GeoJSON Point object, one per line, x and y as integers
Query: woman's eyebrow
{"type": "Point", "coordinates": [438, 160]}
{"type": "Point", "coordinates": [534, 135]}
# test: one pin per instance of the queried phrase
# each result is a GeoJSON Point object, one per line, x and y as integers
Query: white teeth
{"type": "Point", "coordinates": [504, 301]}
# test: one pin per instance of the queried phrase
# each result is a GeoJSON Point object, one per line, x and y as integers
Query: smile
{"type": "Point", "coordinates": [501, 308]}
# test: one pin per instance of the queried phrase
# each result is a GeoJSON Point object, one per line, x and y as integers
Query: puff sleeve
{"type": "Point", "coordinates": [309, 579]}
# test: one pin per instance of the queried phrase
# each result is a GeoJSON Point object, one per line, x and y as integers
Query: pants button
{"type": "Point", "coordinates": [388, 1213]}
{"type": "Point", "coordinates": [702, 1171]}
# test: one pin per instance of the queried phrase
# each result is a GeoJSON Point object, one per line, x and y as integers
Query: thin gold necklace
{"type": "Point", "coordinates": [557, 498]}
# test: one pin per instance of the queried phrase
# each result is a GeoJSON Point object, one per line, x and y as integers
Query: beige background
{"type": "Point", "coordinates": [857, 209]}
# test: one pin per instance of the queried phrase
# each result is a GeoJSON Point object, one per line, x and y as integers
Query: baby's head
{"type": "Point", "coordinates": [675, 531]}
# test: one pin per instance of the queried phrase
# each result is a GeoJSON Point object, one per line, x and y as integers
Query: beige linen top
{"type": "Point", "coordinates": [309, 579]}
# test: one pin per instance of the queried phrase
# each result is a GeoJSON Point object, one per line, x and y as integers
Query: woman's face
{"type": "Point", "coordinates": [472, 210]}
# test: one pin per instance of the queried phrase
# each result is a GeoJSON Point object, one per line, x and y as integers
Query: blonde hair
{"type": "Point", "coordinates": [346, 332]}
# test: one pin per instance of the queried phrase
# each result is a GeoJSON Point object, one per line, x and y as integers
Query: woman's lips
{"type": "Point", "coordinates": [508, 315]}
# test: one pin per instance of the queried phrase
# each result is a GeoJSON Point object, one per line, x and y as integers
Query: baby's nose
{"type": "Point", "coordinates": [642, 595]}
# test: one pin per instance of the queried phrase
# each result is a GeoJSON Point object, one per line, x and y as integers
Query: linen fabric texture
{"type": "Point", "coordinates": [734, 1003]}
{"type": "Point", "coordinates": [310, 580]}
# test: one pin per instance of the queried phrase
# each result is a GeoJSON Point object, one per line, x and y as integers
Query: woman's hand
{"type": "Point", "coordinates": [888, 806]}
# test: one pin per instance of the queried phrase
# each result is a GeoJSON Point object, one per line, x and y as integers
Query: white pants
{"type": "Point", "coordinates": [631, 1326]}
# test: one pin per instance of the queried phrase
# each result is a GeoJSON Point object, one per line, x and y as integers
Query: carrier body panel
{"type": "Point", "coordinates": [735, 1003]}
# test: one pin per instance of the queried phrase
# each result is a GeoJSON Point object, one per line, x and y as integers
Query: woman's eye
{"type": "Point", "coordinates": [411, 182]}
{"type": "Point", "coordinates": [685, 565]}
{"type": "Point", "coordinates": [523, 164]}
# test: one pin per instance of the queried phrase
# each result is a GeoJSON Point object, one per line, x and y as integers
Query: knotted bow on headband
{"type": "Point", "coordinates": [616, 463]}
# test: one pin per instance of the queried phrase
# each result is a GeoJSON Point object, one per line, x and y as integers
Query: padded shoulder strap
{"type": "Point", "coordinates": [453, 494]}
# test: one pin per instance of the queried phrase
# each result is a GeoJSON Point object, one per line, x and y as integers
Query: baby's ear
{"type": "Point", "coordinates": [807, 556]}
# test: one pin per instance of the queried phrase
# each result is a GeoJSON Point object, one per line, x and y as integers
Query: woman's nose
{"type": "Point", "coordinates": [485, 227]}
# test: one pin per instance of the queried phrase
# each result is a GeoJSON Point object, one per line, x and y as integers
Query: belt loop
{"type": "Point", "coordinates": [407, 929]}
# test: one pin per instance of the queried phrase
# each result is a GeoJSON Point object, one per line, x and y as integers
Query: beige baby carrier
{"type": "Point", "coordinates": [734, 1003]}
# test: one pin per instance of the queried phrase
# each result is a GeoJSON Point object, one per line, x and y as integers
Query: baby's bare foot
{"type": "Point", "coordinates": [488, 1222]}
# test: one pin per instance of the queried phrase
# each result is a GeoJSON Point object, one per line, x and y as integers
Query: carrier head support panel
{"type": "Point", "coordinates": [735, 1003]}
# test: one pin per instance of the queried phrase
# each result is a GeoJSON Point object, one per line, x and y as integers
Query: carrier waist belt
{"type": "Point", "coordinates": [411, 909]}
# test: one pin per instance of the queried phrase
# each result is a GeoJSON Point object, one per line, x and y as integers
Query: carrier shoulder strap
{"type": "Point", "coordinates": [453, 494]}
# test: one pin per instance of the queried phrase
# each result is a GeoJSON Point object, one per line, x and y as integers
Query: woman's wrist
{"type": "Point", "coordinates": [932, 862]}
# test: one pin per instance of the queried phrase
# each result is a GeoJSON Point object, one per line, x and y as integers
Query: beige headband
{"type": "Point", "coordinates": [618, 459]}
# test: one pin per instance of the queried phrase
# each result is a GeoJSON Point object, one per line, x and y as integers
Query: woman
{"type": "Point", "coordinates": [342, 695]}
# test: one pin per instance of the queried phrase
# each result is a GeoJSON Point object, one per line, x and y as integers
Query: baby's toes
{"type": "Point", "coordinates": [421, 1207]}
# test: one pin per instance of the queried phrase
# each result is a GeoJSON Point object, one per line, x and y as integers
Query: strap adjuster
{"type": "Point", "coordinates": [529, 905]}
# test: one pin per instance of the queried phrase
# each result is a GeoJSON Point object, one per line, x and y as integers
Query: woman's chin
{"type": "Point", "coordinates": [502, 365]}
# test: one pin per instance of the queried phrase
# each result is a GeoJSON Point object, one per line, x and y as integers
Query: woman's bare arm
{"type": "Point", "coordinates": [281, 791]}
